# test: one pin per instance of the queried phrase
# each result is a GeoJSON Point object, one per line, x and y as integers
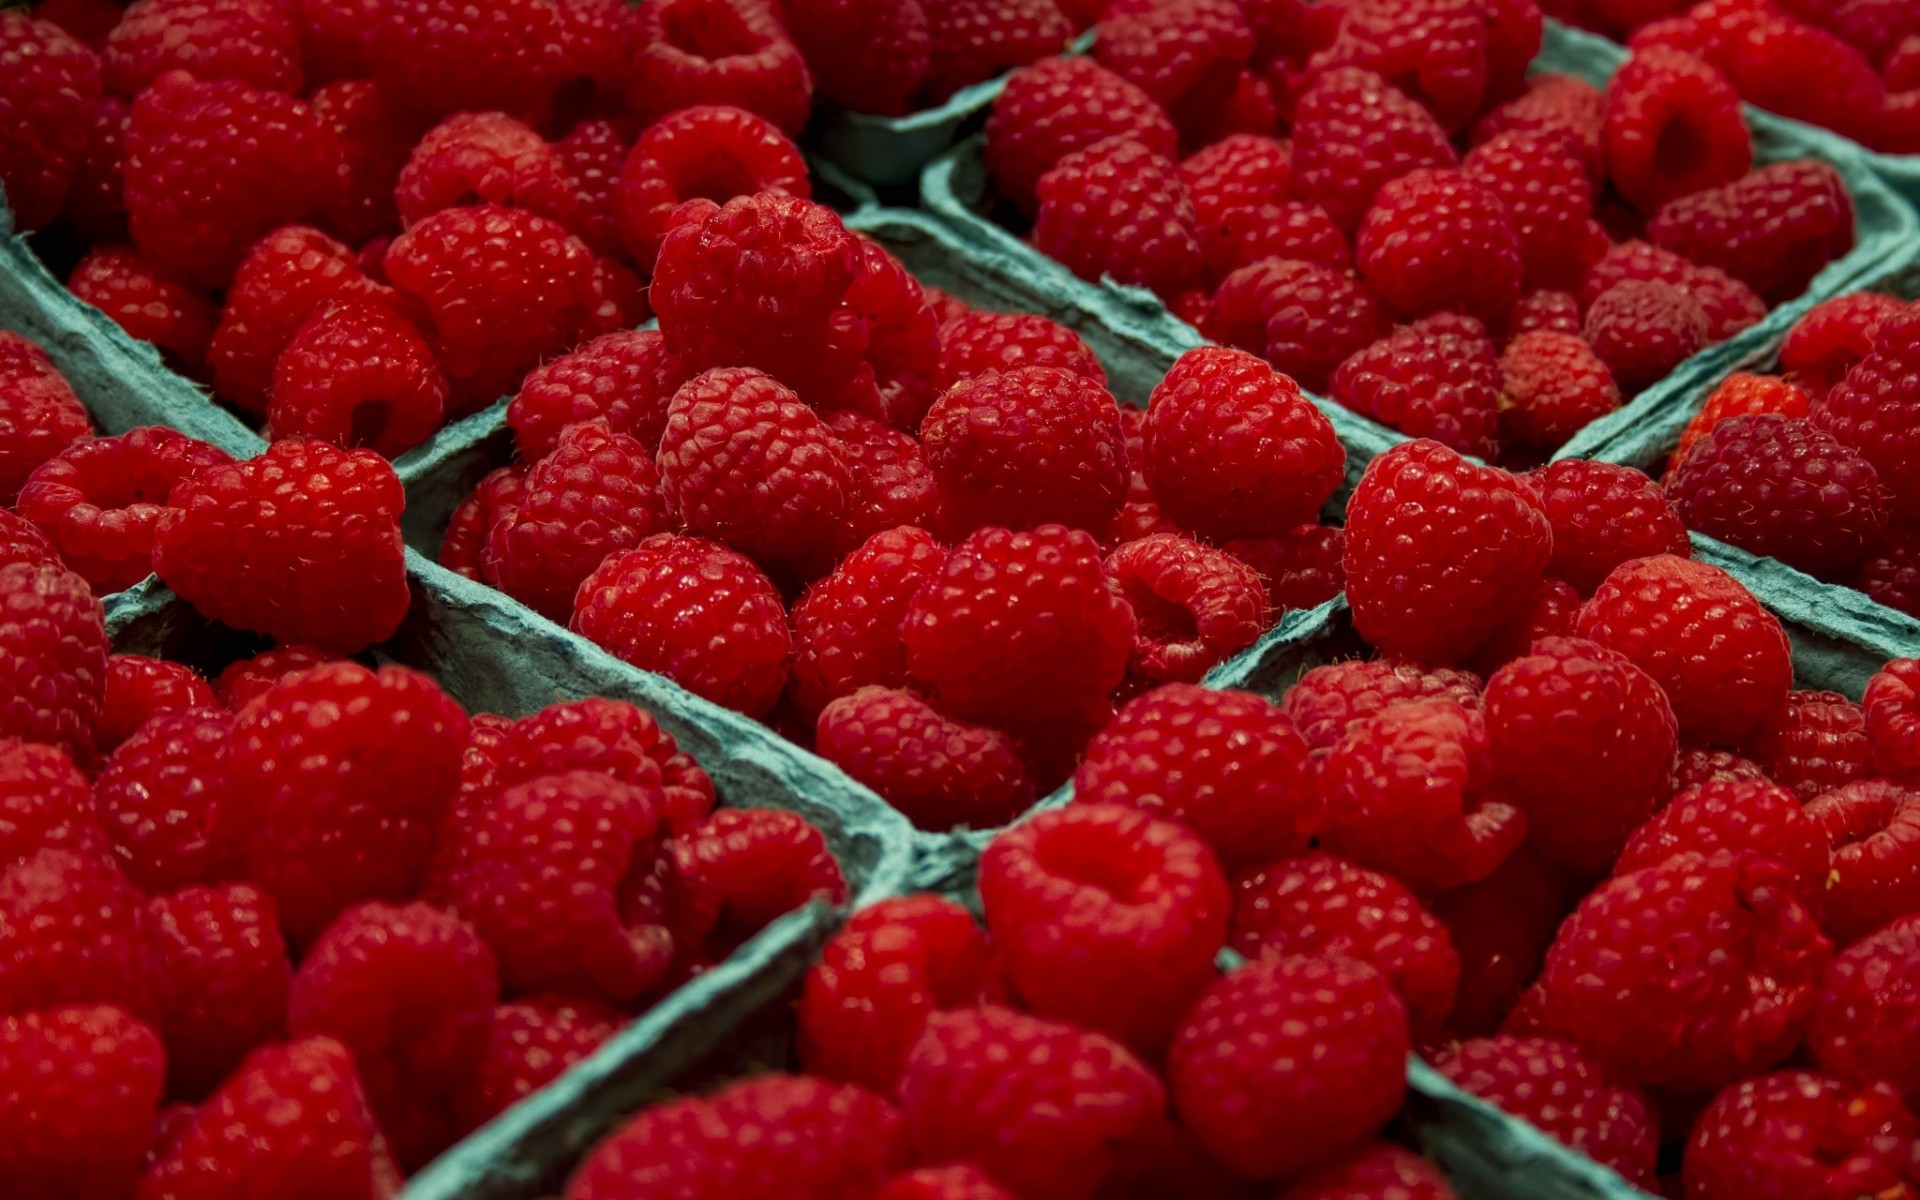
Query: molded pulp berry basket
{"type": "Point", "coordinates": [957, 188]}
{"type": "Point", "coordinates": [493, 656]}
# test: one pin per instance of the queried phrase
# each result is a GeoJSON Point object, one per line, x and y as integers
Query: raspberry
{"type": "Point", "coordinates": [888, 473]}
{"type": "Point", "coordinates": [1893, 719]}
{"type": "Point", "coordinates": [83, 1084]}
{"type": "Point", "coordinates": [978, 342]}
{"type": "Point", "coordinates": [1353, 132]}
{"type": "Point", "coordinates": [1832, 336]}
{"type": "Point", "coordinates": [1672, 127]}
{"type": "Point", "coordinates": [22, 542]}
{"type": "Point", "coordinates": [1862, 1029]}
{"type": "Point", "coordinates": [1740, 394]}
{"type": "Point", "coordinates": [771, 1135]}
{"type": "Point", "coordinates": [530, 1043]}
{"type": "Point", "coordinates": [95, 208]}
{"type": "Point", "coordinates": [53, 657]}
{"type": "Point", "coordinates": [325, 828]}
{"type": "Point", "coordinates": [1301, 569]}
{"type": "Point", "coordinates": [712, 151]}
{"type": "Point", "coordinates": [1234, 450]}
{"type": "Point", "coordinates": [409, 990]}
{"type": "Point", "coordinates": [1553, 103]}
{"type": "Point", "coordinates": [1741, 816]}
{"type": "Point", "coordinates": [1557, 1088]}
{"type": "Point", "coordinates": [1020, 626]}
{"type": "Point", "coordinates": [1604, 515]}
{"type": "Point", "coordinates": [1544, 312]}
{"type": "Point", "coordinates": [865, 1003]}
{"type": "Point", "coordinates": [706, 52]}
{"type": "Point", "coordinates": [1698, 765]}
{"type": "Point", "coordinates": [334, 36]}
{"type": "Point", "coordinates": [1868, 410]}
{"type": "Point", "coordinates": [963, 1181]}
{"type": "Point", "coordinates": [611, 737]}
{"type": "Point", "coordinates": [301, 543]}
{"type": "Point", "coordinates": [1194, 606]}
{"type": "Point", "coordinates": [1059, 106]}
{"type": "Point", "coordinates": [1540, 178]}
{"type": "Point", "coordinates": [1439, 381]}
{"type": "Point", "coordinates": [1799, 1133]}
{"type": "Point", "coordinates": [1552, 385]}
{"type": "Point", "coordinates": [1304, 318]}
{"type": "Point", "coordinates": [733, 875]}
{"type": "Point", "coordinates": [483, 158]}
{"type": "Point", "coordinates": [1773, 230]}
{"type": "Point", "coordinates": [846, 628]}
{"type": "Point", "coordinates": [1329, 699]}
{"type": "Point", "coordinates": [1688, 974]}
{"type": "Point", "coordinates": [44, 804]}
{"type": "Point", "coordinates": [1728, 305]}
{"type": "Point", "coordinates": [1642, 331]}
{"type": "Point", "coordinates": [150, 305]}
{"type": "Point", "coordinates": [435, 57]}
{"type": "Point", "coordinates": [974, 40]}
{"type": "Point", "coordinates": [1118, 209]}
{"type": "Point", "coordinates": [1818, 744]}
{"type": "Point", "coordinates": [886, 343]}
{"type": "Point", "coordinates": [501, 287]}
{"type": "Point", "coordinates": [375, 143]}
{"type": "Point", "coordinates": [1439, 552]}
{"type": "Point", "coordinates": [1237, 1073]}
{"type": "Point", "coordinates": [1186, 56]}
{"type": "Point", "coordinates": [291, 1120]}
{"type": "Point", "coordinates": [1771, 62]}
{"type": "Point", "coordinates": [1721, 658]}
{"type": "Point", "coordinates": [1046, 1108]}
{"type": "Point", "coordinates": [1548, 612]}
{"type": "Point", "coordinates": [212, 166]}
{"type": "Point", "coordinates": [1079, 898]}
{"type": "Point", "coordinates": [222, 979]}
{"type": "Point", "coordinates": [163, 799]}
{"type": "Point", "coordinates": [241, 682]}
{"type": "Point", "coordinates": [865, 55]}
{"type": "Point", "coordinates": [1240, 187]}
{"type": "Point", "coordinates": [940, 773]}
{"type": "Point", "coordinates": [626, 379]}
{"type": "Point", "coordinates": [72, 930]}
{"type": "Point", "coordinates": [1500, 928]}
{"type": "Point", "coordinates": [591, 156]}
{"type": "Point", "coordinates": [46, 107]}
{"type": "Point", "coordinates": [358, 375]}
{"type": "Point", "coordinates": [1440, 240]}
{"type": "Point", "coordinates": [1890, 573]}
{"type": "Point", "coordinates": [1380, 1171]}
{"type": "Point", "coordinates": [1873, 828]}
{"type": "Point", "coordinates": [39, 414]}
{"type": "Point", "coordinates": [247, 40]}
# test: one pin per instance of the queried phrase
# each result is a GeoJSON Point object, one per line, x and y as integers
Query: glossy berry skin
{"type": "Point", "coordinates": [242, 681]}
{"type": "Point", "coordinates": [1438, 378]}
{"type": "Point", "coordinates": [960, 1182]}
{"type": "Point", "coordinates": [975, 40]}
{"type": "Point", "coordinates": [530, 1043]}
{"type": "Point", "coordinates": [1728, 305]}
{"type": "Point", "coordinates": [977, 342]}
{"type": "Point", "coordinates": [691, 52]}
{"type": "Point", "coordinates": [482, 158]}
{"type": "Point", "coordinates": [1604, 515]}
{"type": "Point", "coordinates": [222, 977]}
{"type": "Point", "coordinates": [733, 874]}
{"type": "Point", "coordinates": [22, 542]}
{"type": "Point", "coordinates": [151, 306]}
{"type": "Point", "coordinates": [612, 737]}
{"type": "Point", "coordinates": [1740, 394]}
{"type": "Point", "coordinates": [1194, 606]}
{"type": "Point", "coordinates": [463, 549]}
{"type": "Point", "coordinates": [72, 930]}
{"type": "Point", "coordinates": [1236, 1065]}
{"type": "Point", "coordinates": [1440, 240]}
{"type": "Point", "coordinates": [52, 85]}
{"type": "Point", "coordinates": [358, 375]}
{"type": "Point", "coordinates": [1863, 1024]}
{"type": "Point", "coordinates": [1736, 815]}
{"type": "Point", "coordinates": [1061, 105]}
{"type": "Point", "coordinates": [1553, 385]}
{"type": "Point", "coordinates": [436, 58]}
{"type": "Point", "coordinates": [53, 657]}
{"type": "Point", "coordinates": [1353, 131]}
{"type": "Point", "coordinates": [1381, 1170]}
{"type": "Point", "coordinates": [868, 57]}
{"type": "Point", "coordinates": [1873, 830]}
{"type": "Point", "coordinates": [1328, 699]}
{"type": "Point", "coordinates": [626, 379]}
{"type": "Point", "coordinates": [1663, 97]}
{"type": "Point", "coordinates": [84, 1081]}
{"type": "Point", "coordinates": [1119, 210]}
{"type": "Point", "coordinates": [1833, 335]}
{"type": "Point", "coordinates": [846, 628]}
{"type": "Point", "coordinates": [39, 414]}
{"type": "Point", "coordinates": [1558, 1089]}
{"type": "Point", "coordinates": [938, 772]}
{"type": "Point", "coordinates": [161, 797]}
{"type": "Point", "coordinates": [1799, 1133]}
{"type": "Point", "coordinates": [44, 803]}
{"type": "Point", "coordinates": [1301, 568]}
{"type": "Point", "coordinates": [1818, 745]}
{"type": "Point", "coordinates": [1643, 330]}
{"type": "Point", "coordinates": [1305, 318]}
{"type": "Point", "coordinates": [1869, 410]}
{"type": "Point", "coordinates": [714, 151]}
{"type": "Point", "coordinates": [1430, 579]}
{"type": "Point", "coordinates": [1773, 230]}
{"type": "Point", "coordinates": [1540, 177]}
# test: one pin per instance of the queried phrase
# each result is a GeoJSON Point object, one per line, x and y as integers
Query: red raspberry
{"type": "Point", "coordinates": [1688, 974]}
{"type": "Point", "coordinates": [1773, 230]}
{"type": "Point", "coordinates": [222, 979]}
{"type": "Point", "coordinates": [1451, 56]}
{"type": "Point", "coordinates": [1863, 1025]}
{"type": "Point", "coordinates": [1604, 515]}
{"type": "Point", "coordinates": [1293, 231]}
{"type": "Point", "coordinates": [325, 828]}
{"type": "Point", "coordinates": [865, 1003]}
{"type": "Point", "coordinates": [358, 374]}
{"type": "Point", "coordinates": [1722, 659]}
{"type": "Point", "coordinates": [52, 85]}
{"type": "Point", "coordinates": [1548, 612]}
{"type": "Point", "coordinates": [1187, 56]}
{"type": "Point", "coordinates": [1818, 744]}
{"type": "Point", "coordinates": [83, 1084]}
{"type": "Point", "coordinates": [1500, 928]}
{"type": "Point", "coordinates": [1194, 606]}
{"type": "Point", "coordinates": [1769, 63]}
{"type": "Point", "coordinates": [1699, 764]}
{"type": "Point", "coordinates": [1353, 132]}
{"type": "Point", "coordinates": [886, 344]}
{"type": "Point", "coordinates": [1289, 1062]}
{"type": "Point", "coordinates": [1661, 99]}
{"type": "Point", "coordinates": [1301, 569]}
{"type": "Point", "coordinates": [712, 151]}
{"type": "Point", "coordinates": [247, 40]}
{"type": "Point", "coordinates": [890, 484]}
{"type": "Point", "coordinates": [963, 1181]}
{"type": "Point", "coordinates": [695, 611]}
{"type": "Point", "coordinates": [150, 305]}
{"type": "Point", "coordinates": [1544, 312]}
{"type": "Point", "coordinates": [213, 166]}
{"type": "Point", "coordinates": [375, 142]}
{"type": "Point", "coordinates": [72, 930]}
{"type": "Point", "coordinates": [291, 1120]}
{"type": "Point", "coordinates": [591, 155]}
{"type": "Point", "coordinates": [1329, 699]}
{"type": "Point", "coordinates": [974, 40]}
{"type": "Point", "coordinates": [502, 288]}
{"type": "Point", "coordinates": [940, 773]}
{"type": "Point", "coordinates": [435, 57]}
{"type": "Point", "coordinates": [99, 500]}
{"type": "Point", "coordinates": [1890, 573]}
{"type": "Point", "coordinates": [483, 158]}
{"type": "Point", "coordinates": [595, 35]}
{"type": "Point", "coordinates": [163, 799]}
{"type": "Point", "coordinates": [243, 543]}
{"type": "Point", "coordinates": [1441, 240]}
{"type": "Point", "coordinates": [1740, 394]}
{"type": "Point", "coordinates": [1020, 626]}
{"type": "Point", "coordinates": [973, 344]}
{"type": "Point", "coordinates": [1740, 816]}
{"type": "Point", "coordinates": [774, 1134]}
{"type": "Point", "coordinates": [1552, 385]}
{"type": "Point", "coordinates": [1380, 1171]}
{"type": "Point", "coordinates": [626, 379]}
{"type": "Point", "coordinates": [705, 52]}
{"type": "Point", "coordinates": [1553, 103]}
{"type": "Point", "coordinates": [1869, 409]}
{"type": "Point", "coordinates": [1892, 704]}
{"type": "Point", "coordinates": [738, 872]}
{"type": "Point", "coordinates": [1873, 828]}
{"type": "Point", "coordinates": [1642, 331]}
{"type": "Point", "coordinates": [530, 1043]}
{"type": "Point", "coordinates": [1435, 379]}
{"type": "Point", "coordinates": [409, 990]}
{"type": "Point", "coordinates": [1798, 1133]}
{"type": "Point", "coordinates": [611, 737]}
{"type": "Point", "coordinates": [53, 657]}
{"type": "Point", "coordinates": [44, 804]}
{"type": "Point", "coordinates": [1439, 552]}
{"type": "Point", "coordinates": [242, 681]}
{"type": "Point", "coordinates": [847, 627]}
{"type": "Point", "coordinates": [1729, 305]}
{"type": "Point", "coordinates": [1241, 188]}
{"type": "Point", "coordinates": [22, 542]}
{"type": "Point", "coordinates": [39, 414]}
{"type": "Point", "coordinates": [1302, 317]}
{"type": "Point", "coordinates": [1118, 209]}
{"type": "Point", "coordinates": [865, 55]}
{"type": "Point", "coordinates": [1059, 106]}
{"type": "Point", "coordinates": [1824, 344]}
{"type": "Point", "coordinates": [1049, 1109]}
{"type": "Point", "coordinates": [1554, 1086]}
{"type": "Point", "coordinates": [1080, 899]}
{"type": "Point", "coordinates": [1541, 179]}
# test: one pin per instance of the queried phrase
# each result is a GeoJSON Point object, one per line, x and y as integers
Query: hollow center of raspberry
{"type": "Point", "coordinates": [1680, 150]}
{"type": "Point", "coordinates": [1093, 862]}
{"type": "Point", "coordinates": [1161, 621]}
{"type": "Point", "coordinates": [718, 176]}
{"type": "Point", "coordinates": [709, 31]}
{"type": "Point", "coordinates": [125, 481]}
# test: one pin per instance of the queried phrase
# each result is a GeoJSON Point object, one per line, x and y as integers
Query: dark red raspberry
{"type": "Point", "coordinates": [1722, 659]}
{"type": "Point", "coordinates": [1194, 606]}
{"type": "Point", "coordinates": [974, 40]}
{"type": "Point", "coordinates": [1187, 56]}
{"type": "Point", "coordinates": [1870, 409]}
{"type": "Point", "coordinates": [1728, 305]}
{"type": "Point", "coordinates": [1552, 385]}
{"type": "Point", "coordinates": [1500, 928]}
{"type": "Point", "coordinates": [846, 628]}
{"type": "Point", "coordinates": [626, 379]}
{"type": "Point", "coordinates": [502, 288]}
{"type": "Point", "coordinates": [1643, 330]}
{"type": "Point", "coordinates": [53, 657]}
{"type": "Point", "coordinates": [434, 57]}
{"type": "Point", "coordinates": [95, 208]}
{"type": "Point", "coordinates": [212, 166]}
{"type": "Point", "coordinates": [1048, 1109]}
{"type": "Point", "coordinates": [1740, 394]}
{"type": "Point", "coordinates": [774, 1134]}
{"type": "Point", "coordinates": [1548, 612]}
{"type": "Point", "coordinates": [483, 158]}
{"type": "Point", "coordinates": [1873, 829]}
{"type": "Point", "coordinates": [611, 737]}
{"type": "Point", "coordinates": [1541, 179]}
{"type": "Point", "coordinates": [595, 36]}
{"type": "Point", "coordinates": [1561, 1091]}
{"type": "Point", "coordinates": [44, 804]}
{"type": "Point", "coordinates": [1864, 1023]}
{"type": "Point", "coordinates": [1119, 210]}
{"type": "Point", "coordinates": [375, 142]}
{"type": "Point", "coordinates": [163, 798]}
{"type": "Point", "coordinates": [248, 40]}
{"type": "Point", "coordinates": [711, 151]}
{"type": "Point", "coordinates": [866, 55]}
{"type": "Point", "coordinates": [1427, 575]}
{"type": "Point", "coordinates": [1302, 317]}
{"type": "Point", "coordinates": [1438, 240]}
{"type": "Point", "coordinates": [1773, 230]}
{"type": "Point", "coordinates": [530, 1043]}
{"type": "Point", "coordinates": [1265, 1114]}
{"type": "Point", "coordinates": [939, 772]}
{"type": "Point", "coordinates": [73, 930]}
{"type": "Point", "coordinates": [1799, 1133]}
{"type": "Point", "coordinates": [1890, 573]}
{"type": "Point", "coordinates": [301, 543]}
{"type": "Point", "coordinates": [1604, 515]}
{"type": "Point", "coordinates": [325, 828]}
{"type": "Point", "coordinates": [1892, 704]}
{"type": "Point", "coordinates": [703, 52]}
{"type": "Point", "coordinates": [242, 681]}
{"type": "Point", "coordinates": [1545, 312]}
{"type": "Point", "coordinates": [1818, 744]}
{"type": "Point", "coordinates": [22, 542]}
{"type": "Point", "coordinates": [39, 414]}
{"type": "Point", "coordinates": [149, 304]}
{"type": "Point", "coordinates": [1688, 974]}
{"type": "Point", "coordinates": [695, 611]}
{"type": "Point", "coordinates": [1436, 379]}
{"type": "Point", "coordinates": [1080, 899]}
{"type": "Point", "coordinates": [52, 85]}
{"type": "Point", "coordinates": [1740, 816]}
{"type": "Point", "coordinates": [1328, 699]}
{"type": "Point", "coordinates": [1352, 132]}
{"type": "Point", "coordinates": [1380, 1171]}
{"type": "Point", "coordinates": [1020, 626]}
{"type": "Point", "coordinates": [1824, 344]}
{"type": "Point", "coordinates": [358, 374]}
{"type": "Point", "coordinates": [865, 1003]}
{"type": "Point", "coordinates": [222, 979]}
{"type": "Point", "coordinates": [291, 1119]}
{"type": "Point", "coordinates": [979, 342]}
{"type": "Point", "coordinates": [1452, 56]}
{"type": "Point", "coordinates": [1301, 569]}
{"type": "Point", "coordinates": [1672, 127]}
{"type": "Point", "coordinates": [963, 1181]}
{"type": "Point", "coordinates": [1061, 105]}
{"type": "Point", "coordinates": [731, 876]}
{"type": "Point", "coordinates": [84, 1083]}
